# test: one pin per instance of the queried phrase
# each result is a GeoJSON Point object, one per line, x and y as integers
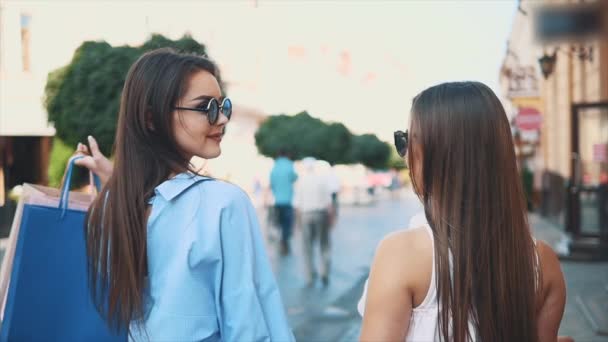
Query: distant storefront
{"type": "Point", "coordinates": [570, 157]}
{"type": "Point", "coordinates": [25, 135]}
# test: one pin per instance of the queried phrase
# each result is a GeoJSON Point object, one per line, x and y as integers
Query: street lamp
{"type": "Point", "coordinates": [547, 64]}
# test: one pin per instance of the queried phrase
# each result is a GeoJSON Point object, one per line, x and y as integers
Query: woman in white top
{"type": "Point", "coordinates": [474, 272]}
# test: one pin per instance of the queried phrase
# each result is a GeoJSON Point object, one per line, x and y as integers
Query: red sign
{"type": "Point", "coordinates": [528, 119]}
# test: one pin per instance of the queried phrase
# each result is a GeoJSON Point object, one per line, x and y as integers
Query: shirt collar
{"type": "Point", "coordinates": [173, 187]}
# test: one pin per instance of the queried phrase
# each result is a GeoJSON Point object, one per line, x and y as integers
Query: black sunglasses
{"type": "Point", "coordinates": [212, 108]}
{"type": "Point", "coordinates": [401, 141]}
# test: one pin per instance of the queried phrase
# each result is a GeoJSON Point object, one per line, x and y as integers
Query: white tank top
{"type": "Point", "coordinates": [424, 319]}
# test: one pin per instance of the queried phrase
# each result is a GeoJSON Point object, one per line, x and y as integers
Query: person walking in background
{"type": "Point", "coordinates": [180, 256]}
{"type": "Point", "coordinates": [313, 203]}
{"type": "Point", "coordinates": [473, 272]}
{"type": "Point", "coordinates": [334, 187]}
{"type": "Point", "coordinates": [282, 179]}
{"type": "Point", "coordinates": [395, 184]}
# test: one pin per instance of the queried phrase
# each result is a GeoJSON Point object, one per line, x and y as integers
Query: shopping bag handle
{"type": "Point", "coordinates": [65, 187]}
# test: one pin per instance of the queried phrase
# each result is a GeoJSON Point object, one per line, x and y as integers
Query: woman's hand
{"type": "Point", "coordinates": [94, 160]}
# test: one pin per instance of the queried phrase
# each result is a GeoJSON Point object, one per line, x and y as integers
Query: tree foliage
{"type": "Point", "coordinates": [83, 97]}
{"type": "Point", "coordinates": [303, 135]}
{"type": "Point", "coordinates": [370, 151]}
{"type": "Point", "coordinates": [396, 161]}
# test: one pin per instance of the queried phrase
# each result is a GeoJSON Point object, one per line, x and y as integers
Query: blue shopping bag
{"type": "Point", "coordinates": [49, 297]}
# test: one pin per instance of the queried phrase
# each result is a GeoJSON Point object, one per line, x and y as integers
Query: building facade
{"type": "Point", "coordinates": [32, 44]}
{"type": "Point", "coordinates": [571, 154]}
{"type": "Point", "coordinates": [25, 134]}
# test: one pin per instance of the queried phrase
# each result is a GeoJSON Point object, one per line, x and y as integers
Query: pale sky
{"type": "Point", "coordinates": [358, 62]}
{"type": "Point", "coordinates": [405, 46]}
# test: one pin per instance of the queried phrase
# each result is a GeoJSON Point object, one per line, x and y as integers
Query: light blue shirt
{"type": "Point", "coordinates": [282, 178]}
{"type": "Point", "coordinates": [209, 275]}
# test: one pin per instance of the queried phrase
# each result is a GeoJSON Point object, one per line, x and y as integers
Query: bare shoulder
{"type": "Point", "coordinates": [407, 254]}
{"type": "Point", "coordinates": [545, 251]}
{"type": "Point", "coordinates": [405, 242]}
{"type": "Point", "coordinates": [549, 262]}
{"type": "Point", "coordinates": [552, 276]}
{"type": "Point", "coordinates": [552, 299]}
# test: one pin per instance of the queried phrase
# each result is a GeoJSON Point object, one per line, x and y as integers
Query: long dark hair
{"type": "Point", "coordinates": [475, 205]}
{"type": "Point", "coordinates": [146, 154]}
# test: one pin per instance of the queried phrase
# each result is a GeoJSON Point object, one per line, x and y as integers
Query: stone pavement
{"type": "Point", "coordinates": [330, 314]}
{"type": "Point", "coordinates": [586, 312]}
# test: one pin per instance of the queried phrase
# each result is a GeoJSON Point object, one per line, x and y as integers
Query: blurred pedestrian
{"type": "Point", "coordinates": [313, 202]}
{"type": "Point", "coordinates": [474, 272]}
{"type": "Point", "coordinates": [395, 184]}
{"type": "Point", "coordinates": [334, 187]}
{"type": "Point", "coordinates": [180, 256]}
{"type": "Point", "coordinates": [282, 179]}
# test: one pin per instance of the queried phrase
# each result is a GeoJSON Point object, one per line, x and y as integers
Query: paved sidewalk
{"type": "Point", "coordinates": [329, 314]}
{"type": "Point", "coordinates": [587, 286]}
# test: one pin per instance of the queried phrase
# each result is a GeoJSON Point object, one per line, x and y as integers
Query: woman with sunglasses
{"type": "Point", "coordinates": [473, 272]}
{"type": "Point", "coordinates": [178, 256]}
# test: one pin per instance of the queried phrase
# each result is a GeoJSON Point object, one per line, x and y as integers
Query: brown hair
{"type": "Point", "coordinates": [475, 205]}
{"type": "Point", "coordinates": [146, 154]}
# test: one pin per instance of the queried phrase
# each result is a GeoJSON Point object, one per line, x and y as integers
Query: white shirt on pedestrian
{"type": "Point", "coordinates": [312, 192]}
{"type": "Point", "coordinates": [333, 181]}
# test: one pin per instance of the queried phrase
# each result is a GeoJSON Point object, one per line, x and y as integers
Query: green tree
{"type": "Point", "coordinates": [370, 151]}
{"type": "Point", "coordinates": [334, 143]}
{"type": "Point", "coordinates": [83, 97]}
{"type": "Point", "coordinates": [60, 154]}
{"type": "Point", "coordinates": [396, 161]}
{"type": "Point", "coordinates": [274, 135]}
{"type": "Point", "coordinates": [303, 135]}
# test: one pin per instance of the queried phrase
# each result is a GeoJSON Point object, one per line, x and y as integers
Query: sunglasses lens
{"type": "Point", "coordinates": [401, 149]}
{"type": "Point", "coordinates": [212, 111]}
{"type": "Point", "coordinates": [401, 143]}
{"type": "Point", "coordinates": [227, 108]}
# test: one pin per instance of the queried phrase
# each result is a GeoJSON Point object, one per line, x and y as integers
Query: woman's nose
{"type": "Point", "coordinates": [222, 120]}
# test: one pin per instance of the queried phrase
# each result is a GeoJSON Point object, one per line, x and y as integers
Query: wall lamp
{"type": "Point", "coordinates": [547, 62]}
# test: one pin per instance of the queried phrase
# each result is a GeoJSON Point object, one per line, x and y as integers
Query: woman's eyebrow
{"type": "Point", "coordinates": [202, 97]}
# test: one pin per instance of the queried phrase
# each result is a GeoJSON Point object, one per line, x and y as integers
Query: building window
{"type": "Point", "coordinates": [25, 41]}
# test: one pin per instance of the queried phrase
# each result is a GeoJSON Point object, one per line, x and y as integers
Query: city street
{"type": "Point", "coordinates": [330, 314]}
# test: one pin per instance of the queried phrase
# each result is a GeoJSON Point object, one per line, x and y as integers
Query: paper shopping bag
{"type": "Point", "coordinates": [48, 297]}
